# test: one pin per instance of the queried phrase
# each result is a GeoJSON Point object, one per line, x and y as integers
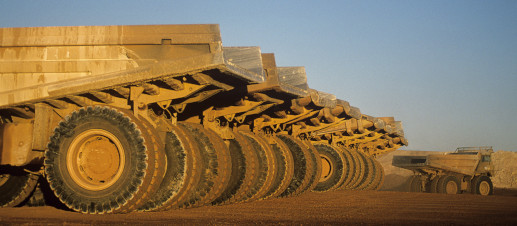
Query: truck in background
{"type": "Point", "coordinates": [468, 169]}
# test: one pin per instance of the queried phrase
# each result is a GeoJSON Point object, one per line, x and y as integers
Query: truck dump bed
{"type": "Point", "coordinates": [464, 161]}
{"type": "Point", "coordinates": [42, 62]}
{"type": "Point", "coordinates": [464, 164]}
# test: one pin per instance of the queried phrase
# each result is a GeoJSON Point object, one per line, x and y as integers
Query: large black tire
{"type": "Point", "coordinates": [180, 173]}
{"type": "Point", "coordinates": [482, 185]}
{"type": "Point", "coordinates": [349, 167]}
{"type": "Point", "coordinates": [158, 157]}
{"type": "Point", "coordinates": [224, 165]}
{"type": "Point", "coordinates": [359, 169]}
{"type": "Point", "coordinates": [376, 174]}
{"type": "Point", "coordinates": [98, 160]}
{"type": "Point", "coordinates": [37, 198]}
{"type": "Point", "coordinates": [16, 185]}
{"type": "Point", "coordinates": [44, 196]}
{"type": "Point", "coordinates": [333, 171]}
{"type": "Point", "coordinates": [285, 167]}
{"type": "Point", "coordinates": [363, 173]}
{"type": "Point", "coordinates": [252, 171]}
{"type": "Point", "coordinates": [216, 165]}
{"type": "Point", "coordinates": [303, 167]}
{"type": "Point", "coordinates": [260, 169]}
{"type": "Point", "coordinates": [368, 172]}
{"type": "Point", "coordinates": [267, 166]}
{"type": "Point", "coordinates": [414, 183]}
{"type": "Point", "coordinates": [238, 151]}
{"type": "Point", "coordinates": [193, 171]}
{"type": "Point", "coordinates": [381, 175]}
{"type": "Point", "coordinates": [316, 163]}
{"type": "Point", "coordinates": [449, 184]}
{"type": "Point", "coordinates": [433, 184]}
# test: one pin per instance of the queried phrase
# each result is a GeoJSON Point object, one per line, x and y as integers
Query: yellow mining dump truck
{"type": "Point", "coordinates": [123, 118]}
{"type": "Point", "coordinates": [468, 169]}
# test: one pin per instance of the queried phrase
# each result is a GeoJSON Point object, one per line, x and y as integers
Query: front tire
{"type": "Point", "coordinates": [98, 159]}
{"type": "Point", "coordinates": [333, 172]}
{"type": "Point", "coordinates": [482, 185]}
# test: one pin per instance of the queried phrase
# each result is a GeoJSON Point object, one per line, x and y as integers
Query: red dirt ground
{"type": "Point", "coordinates": [337, 207]}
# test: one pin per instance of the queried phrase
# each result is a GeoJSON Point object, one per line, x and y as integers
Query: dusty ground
{"type": "Point", "coordinates": [337, 207]}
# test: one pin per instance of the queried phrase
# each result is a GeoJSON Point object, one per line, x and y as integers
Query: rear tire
{"type": "Point", "coordinates": [37, 198]}
{"type": "Point", "coordinates": [414, 184]}
{"type": "Point", "coordinates": [449, 185]}
{"type": "Point", "coordinates": [16, 185]}
{"type": "Point", "coordinates": [433, 185]}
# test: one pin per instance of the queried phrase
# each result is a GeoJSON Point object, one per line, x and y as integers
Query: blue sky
{"type": "Point", "coordinates": [446, 69]}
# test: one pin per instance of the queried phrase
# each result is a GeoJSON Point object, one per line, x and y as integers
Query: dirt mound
{"type": "Point", "coordinates": [505, 169]}
{"type": "Point", "coordinates": [504, 162]}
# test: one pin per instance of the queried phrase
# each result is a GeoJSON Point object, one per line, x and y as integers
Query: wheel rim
{"type": "Point", "coordinates": [451, 187]}
{"type": "Point", "coordinates": [484, 188]}
{"type": "Point", "coordinates": [326, 168]}
{"type": "Point", "coordinates": [95, 159]}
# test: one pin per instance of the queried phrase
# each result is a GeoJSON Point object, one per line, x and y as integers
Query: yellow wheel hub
{"type": "Point", "coordinates": [484, 188]}
{"type": "Point", "coordinates": [95, 159]}
{"type": "Point", "coordinates": [451, 187]}
{"type": "Point", "coordinates": [326, 168]}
